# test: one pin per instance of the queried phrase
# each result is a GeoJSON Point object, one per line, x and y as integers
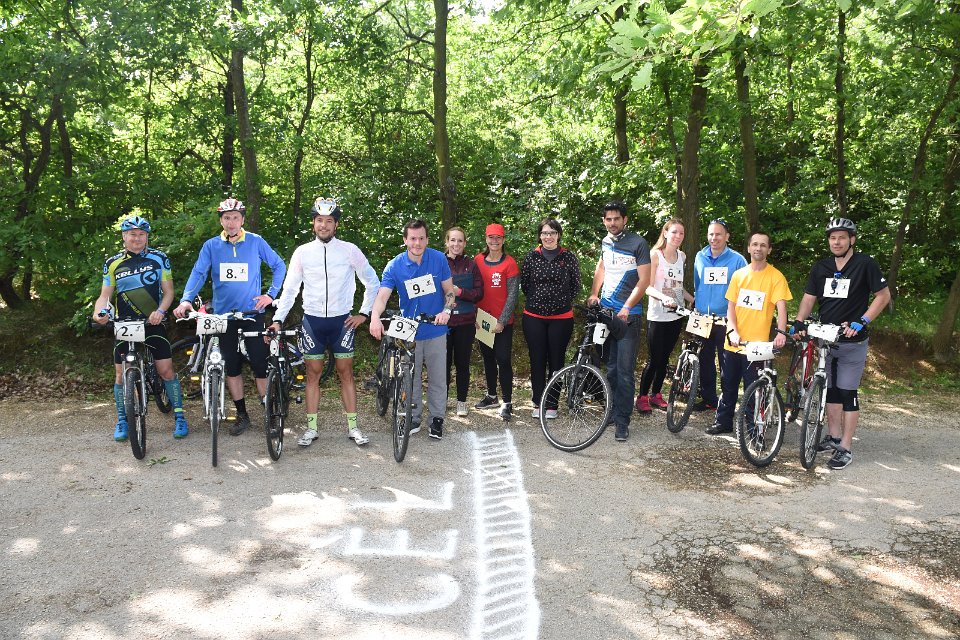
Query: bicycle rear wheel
{"type": "Point", "coordinates": [760, 423]}
{"type": "Point", "coordinates": [187, 364]}
{"type": "Point", "coordinates": [134, 405]}
{"type": "Point", "coordinates": [327, 365]}
{"type": "Point", "coordinates": [214, 381]}
{"type": "Point", "coordinates": [683, 392]}
{"type": "Point", "coordinates": [402, 413]}
{"type": "Point", "coordinates": [580, 395]}
{"type": "Point", "coordinates": [812, 425]}
{"type": "Point", "coordinates": [157, 389]}
{"type": "Point", "coordinates": [276, 411]}
{"type": "Point", "coordinates": [383, 378]}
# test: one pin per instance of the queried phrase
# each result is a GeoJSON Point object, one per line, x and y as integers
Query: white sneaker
{"type": "Point", "coordinates": [551, 414]}
{"type": "Point", "coordinates": [461, 408]}
{"type": "Point", "coordinates": [536, 414]}
{"type": "Point", "coordinates": [357, 436]}
{"type": "Point", "coordinates": [308, 437]}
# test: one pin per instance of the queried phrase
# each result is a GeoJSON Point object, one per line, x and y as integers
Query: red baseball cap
{"type": "Point", "coordinates": [496, 230]}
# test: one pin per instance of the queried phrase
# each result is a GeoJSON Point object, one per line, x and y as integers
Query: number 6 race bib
{"type": "Point", "coordinates": [421, 286]}
{"type": "Point", "coordinates": [751, 299]}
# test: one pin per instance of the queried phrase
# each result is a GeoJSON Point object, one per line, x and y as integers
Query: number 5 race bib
{"type": "Point", "coordinates": [715, 275]}
{"type": "Point", "coordinates": [233, 272]}
{"type": "Point", "coordinates": [421, 286]}
{"type": "Point", "coordinates": [750, 299]}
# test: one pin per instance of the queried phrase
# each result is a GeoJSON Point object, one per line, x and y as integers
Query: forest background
{"type": "Point", "coordinates": [769, 113]}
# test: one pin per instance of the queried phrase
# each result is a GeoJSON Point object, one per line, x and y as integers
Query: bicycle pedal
{"type": "Point", "coordinates": [298, 400]}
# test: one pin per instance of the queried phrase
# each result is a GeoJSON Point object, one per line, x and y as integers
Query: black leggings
{"type": "Point", "coordinates": [497, 364]}
{"type": "Point", "coordinates": [661, 339]}
{"type": "Point", "coordinates": [547, 342]}
{"type": "Point", "coordinates": [459, 348]}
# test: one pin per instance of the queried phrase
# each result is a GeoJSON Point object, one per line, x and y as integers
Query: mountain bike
{"type": "Point", "coordinates": [759, 417]}
{"type": "Point", "coordinates": [383, 382]}
{"type": "Point", "coordinates": [579, 394]}
{"type": "Point", "coordinates": [800, 376]}
{"type": "Point", "coordinates": [280, 379]}
{"type": "Point", "coordinates": [686, 377]}
{"type": "Point", "coordinates": [824, 337]}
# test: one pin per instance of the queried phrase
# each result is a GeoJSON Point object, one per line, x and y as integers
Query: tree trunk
{"type": "Point", "coordinates": [841, 115]}
{"type": "Point", "coordinates": [749, 148]}
{"type": "Point", "coordinates": [304, 118]}
{"type": "Point", "coordinates": [674, 148]}
{"type": "Point", "coordinates": [66, 155]}
{"type": "Point", "coordinates": [248, 148]}
{"type": "Point", "coordinates": [146, 119]}
{"type": "Point", "coordinates": [227, 157]}
{"type": "Point", "coordinates": [690, 171]}
{"type": "Point", "coordinates": [919, 164]}
{"type": "Point", "coordinates": [441, 141]}
{"type": "Point", "coordinates": [943, 336]}
{"type": "Point", "coordinates": [620, 124]}
{"type": "Point", "coordinates": [792, 161]}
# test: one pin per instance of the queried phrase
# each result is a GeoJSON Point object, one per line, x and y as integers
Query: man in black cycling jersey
{"type": "Point", "coordinates": [142, 280]}
{"type": "Point", "coordinates": [841, 284]}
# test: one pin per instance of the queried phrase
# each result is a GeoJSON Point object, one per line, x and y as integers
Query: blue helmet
{"type": "Point", "coordinates": [135, 222]}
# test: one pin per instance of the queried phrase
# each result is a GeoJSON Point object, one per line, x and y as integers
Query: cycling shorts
{"type": "Point", "coordinates": [256, 348]}
{"type": "Point", "coordinates": [320, 333]}
{"type": "Point", "coordinates": [845, 364]}
{"type": "Point", "coordinates": [156, 341]}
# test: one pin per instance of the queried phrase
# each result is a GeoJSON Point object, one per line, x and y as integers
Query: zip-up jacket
{"type": "Point", "coordinates": [465, 275]}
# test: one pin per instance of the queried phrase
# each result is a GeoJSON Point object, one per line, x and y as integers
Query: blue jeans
{"type": "Point", "coordinates": [736, 367]}
{"type": "Point", "coordinates": [710, 354]}
{"type": "Point", "coordinates": [621, 370]}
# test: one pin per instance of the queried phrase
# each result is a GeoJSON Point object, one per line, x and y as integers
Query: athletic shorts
{"type": "Point", "coordinates": [156, 341]}
{"type": "Point", "coordinates": [845, 365]}
{"type": "Point", "coordinates": [255, 347]}
{"type": "Point", "coordinates": [319, 334]}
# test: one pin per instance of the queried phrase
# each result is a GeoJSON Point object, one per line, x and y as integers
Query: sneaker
{"type": "Point", "coordinates": [703, 405]}
{"type": "Point", "coordinates": [461, 408]}
{"type": "Point", "coordinates": [240, 424]}
{"type": "Point", "coordinates": [829, 443]}
{"type": "Point", "coordinates": [180, 427]}
{"type": "Point", "coordinates": [357, 436]}
{"type": "Point", "coordinates": [622, 433]}
{"type": "Point", "coordinates": [536, 413]}
{"type": "Point", "coordinates": [120, 433]}
{"type": "Point", "coordinates": [436, 428]}
{"type": "Point", "coordinates": [415, 428]}
{"type": "Point", "coordinates": [841, 458]}
{"type": "Point", "coordinates": [487, 402]}
{"type": "Point", "coordinates": [506, 411]}
{"type": "Point", "coordinates": [717, 429]}
{"type": "Point", "coordinates": [657, 401]}
{"type": "Point", "coordinates": [551, 414]}
{"type": "Point", "coordinates": [308, 437]}
{"type": "Point", "coordinates": [643, 404]}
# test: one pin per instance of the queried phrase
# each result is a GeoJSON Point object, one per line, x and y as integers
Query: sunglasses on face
{"type": "Point", "coordinates": [719, 221]}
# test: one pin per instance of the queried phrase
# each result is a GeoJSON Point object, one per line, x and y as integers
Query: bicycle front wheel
{"type": "Point", "coordinates": [812, 425]}
{"type": "Point", "coordinates": [214, 382]}
{"type": "Point", "coordinates": [187, 364]}
{"type": "Point", "coordinates": [134, 405]}
{"type": "Point", "coordinates": [579, 396]}
{"type": "Point", "coordinates": [402, 413]}
{"type": "Point", "coordinates": [683, 392]}
{"type": "Point", "coordinates": [382, 375]}
{"type": "Point", "coordinates": [760, 423]}
{"type": "Point", "coordinates": [276, 411]}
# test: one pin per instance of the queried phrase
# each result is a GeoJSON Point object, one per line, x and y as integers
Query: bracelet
{"type": "Point", "coordinates": [448, 311]}
{"type": "Point", "coordinates": [865, 320]}
{"type": "Point", "coordinates": [161, 311]}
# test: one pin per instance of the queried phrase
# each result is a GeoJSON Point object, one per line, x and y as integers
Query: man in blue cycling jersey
{"type": "Point", "coordinates": [234, 258]}
{"type": "Point", "coordinates": [141, 278]}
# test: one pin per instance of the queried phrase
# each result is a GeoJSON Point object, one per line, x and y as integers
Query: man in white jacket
{"type": "Point", "coordinates": [327, 269]}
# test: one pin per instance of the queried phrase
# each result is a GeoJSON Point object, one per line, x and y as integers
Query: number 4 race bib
{"type": "Point", "coordinates": [750, 299]}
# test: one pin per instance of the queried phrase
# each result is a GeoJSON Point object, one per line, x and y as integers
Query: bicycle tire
{"type": "Point", "coordinates": [276, 412]}
{"type": "Point", "coordinates": [580, 394]}
{"type": "Point", "coordinates": [383, 378]}
{"type": "Point", "coordinates": [683, 391]}
{"type": "Point", "coordinates": [328, 366]}
{"type": "Point", "coordinates": [214, 381]}
{"type": "Point", "coordinates": [134, 405]}
{"type": "Point", "coordinates": [182, 352]}
{"type": "Point", "coordinates": [760, 446]}
{"type": "Point", "coordinates": [812, 425]}
{"type": "Point", "coordinates": [402, 413]}
{"type": "Point", "coordinates": [157, 389]}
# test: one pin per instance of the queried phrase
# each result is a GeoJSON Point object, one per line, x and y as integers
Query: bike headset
{"type": "Point", "coordinates": [230, 204]}
{"type": "Point", "coordinates": [326, 207]}
{"type": "Point", "coordinates": [135, 222]}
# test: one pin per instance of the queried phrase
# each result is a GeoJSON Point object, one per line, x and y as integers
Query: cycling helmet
{"type": "Point", "coordinates": [326, 207]}
{"type": "Point", "coordinates": [135, 222]}
{"type": "Point", "coordinates": [841, 224]}
{"type": "Point", "coordinates": [231, 204]}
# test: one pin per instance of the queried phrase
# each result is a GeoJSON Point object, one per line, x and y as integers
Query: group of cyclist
{"type": "Point", "coordinates": [465, 297]}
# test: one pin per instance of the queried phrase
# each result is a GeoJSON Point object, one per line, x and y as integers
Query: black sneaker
{"type": "Point", "coordinates": [436, 428]}
{"type": "Point", "coordinates": [240, 424]}
{"type": "Point", "coordinates": [716, 429]}
{"type": "Point", "coordinates": [506, 411]}
{"type": "Point", "coordinates": [703, 405]}
{"type": "Point", "coordinates": [487, 402]}
{"type": "Point", "coordinates": [829, 443]}
{"type": "Point", "coordinates": [841, 458]}
{"type": "Point", "coordinates": [622, 433]}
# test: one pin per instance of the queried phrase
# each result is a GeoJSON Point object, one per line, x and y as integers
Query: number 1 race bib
{"type": "Point", "coordinates": [421, 286]}
{"type": "Point", "coordinates": [233, 272]}
{"type": "Point", "coordinates": [836, 288]}
{"type": "Point", "coordinates": [751, 299]}
{"type": "Point", "coordinates": [600, 333]}
{"type": "Point", "coordinates": [715, 275]}
{"type": "Point", "coordinates": [402, 328]}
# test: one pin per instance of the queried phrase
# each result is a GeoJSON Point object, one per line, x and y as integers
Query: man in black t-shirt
{"type": "Point", "coordinates": [841, 284]}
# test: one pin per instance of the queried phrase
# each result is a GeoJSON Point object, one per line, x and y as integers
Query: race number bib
{"type": "Point", "coordinates": [836, 288]}
{"type": "Point", "coordinates": [132, 331]}
{"type": "Point", "coordinates": [621, 260]}
{"type": "Point", "coordinates": [600, 333]}
{"type": "Point", "coordinates": [402, 328]}
{"type": "Point", "coordinates": [757, 351]}
{"type": "Point", "coordinates": [699, 325]}
{"type": "Point", "coordinates": [233, 272]}
{"type": "Point", "coordinates": [209, 325]}
{"type": "Point", "coordinates": [828, 332]}
{"type": "Point", "coordinates": [421, 286]}
{"type": "Point", "coordinates": [750, 299]}
{"type": "Point", "coordinates": [715, 275]}
{"type": "Point", "coordinates": [673, 273]}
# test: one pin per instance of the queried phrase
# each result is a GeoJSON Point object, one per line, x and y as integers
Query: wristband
{"type": "Point", "coordinates": [161, 311]}
{"type": "Point", "coordinates": [864, 320]}
{"type": "Point", "coordinates": [627, 309]}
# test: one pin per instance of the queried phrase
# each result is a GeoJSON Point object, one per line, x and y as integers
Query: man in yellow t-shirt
{"type": "Point", "coordinates": [755, 291]}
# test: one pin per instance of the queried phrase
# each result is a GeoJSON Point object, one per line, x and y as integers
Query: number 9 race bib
{"type": "Point", "coordinates": [402, 328]}
{"type": "Point", "coordinates": [421, 286]}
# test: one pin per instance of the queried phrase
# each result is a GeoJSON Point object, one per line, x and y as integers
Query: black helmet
{"type": "Point", "coordinates": [841, 224]}
{"type": "Point", "coordinates": [326, 207]}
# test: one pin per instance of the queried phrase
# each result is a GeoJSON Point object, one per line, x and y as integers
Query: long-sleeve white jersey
{"type": "Point", "coordinates": [328, 272]}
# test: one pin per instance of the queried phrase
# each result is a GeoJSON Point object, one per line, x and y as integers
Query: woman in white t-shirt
{"type": "Point", "coordinates": [663, 325]}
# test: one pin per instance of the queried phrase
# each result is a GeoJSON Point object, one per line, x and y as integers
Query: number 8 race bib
{"type": "Point", "coordinates": [233, 272]}
{"type": "Point", "coordinates": [750, 299]}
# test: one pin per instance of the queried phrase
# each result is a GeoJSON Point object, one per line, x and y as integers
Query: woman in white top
{"type": "Point", "coordinates": [663, 325]}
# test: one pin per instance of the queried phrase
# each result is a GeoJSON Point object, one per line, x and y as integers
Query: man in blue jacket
{"type": "Point", "coordinates": [234, 257]}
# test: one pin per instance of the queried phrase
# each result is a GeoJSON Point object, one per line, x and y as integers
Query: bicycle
{"type": "Point", "coordinates": [824, 337]}
{"type": "Point", "coordinates": [279, 382]}
{"type": "Point", "coordinates": [686, 377]}
{"type": "Point", "coordinates": [798, 380]}
{"type": "Point", "coordinates": [209, 364]}
{"type": "Point", "coordinates": [759, 417]}
{"type": "Point", "coordinates": [382, 380]}
{"type": "Point", "coordinates": [400, 356]}
{"type": "Point", "coordinates": [576, 401]}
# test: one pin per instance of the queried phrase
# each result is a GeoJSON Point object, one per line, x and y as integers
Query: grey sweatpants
{"type": "Point", "coordinates": [434, 353]}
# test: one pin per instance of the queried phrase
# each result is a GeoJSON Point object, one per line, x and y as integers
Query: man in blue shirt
{"type": "Point", "coordinates": [619, 283]}
{"type": "Point", "coordinates": [712, 269]}
{"type": "Point", "coordinates": [421, 277]}
{"type": "Point", "coordinates": [234, 257]}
